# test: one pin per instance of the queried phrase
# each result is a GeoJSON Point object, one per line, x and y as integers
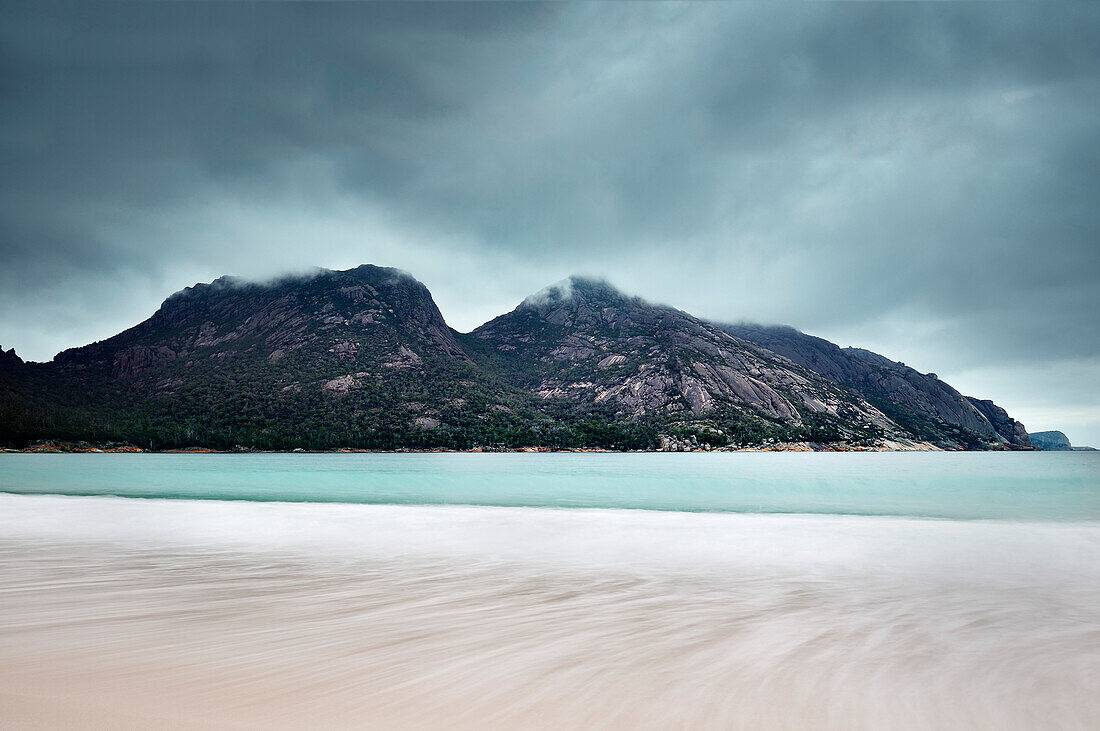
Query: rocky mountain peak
{"type": "Point", "coordinates": [583, 343]}
{"type": "Point", "coordinates": [575, 296]}
{"type": "Point", "coordinates": [319, 316]}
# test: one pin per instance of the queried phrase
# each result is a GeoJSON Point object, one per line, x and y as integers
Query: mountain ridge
{"type": "Point", "coordinates": [363, 358]}
{"type": "Point", "coordinates": [920, 402]}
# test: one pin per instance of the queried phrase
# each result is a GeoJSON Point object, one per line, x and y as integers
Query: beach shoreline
{"type": "Point", "coordinates": [126, 613]}
{"type": "Point", "coordinates": [85, 448]}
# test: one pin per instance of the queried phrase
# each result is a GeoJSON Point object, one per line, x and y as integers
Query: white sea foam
{"type": "Point", "coordinates": [279, 614]}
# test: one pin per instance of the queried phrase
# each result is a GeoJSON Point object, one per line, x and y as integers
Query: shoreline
{"type": "Point", "coordinates": [122, 614]}
{"type": "Point", "coordinates": [71, 448]}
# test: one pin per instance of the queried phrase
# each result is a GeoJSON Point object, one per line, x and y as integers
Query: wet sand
{"type": "Point", "coordinates": [177, 614]}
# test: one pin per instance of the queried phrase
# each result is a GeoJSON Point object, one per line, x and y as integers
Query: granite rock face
{"type": "Point", "coordinates": [919, 402]}
{"type": "Point", "coordinates": [327, 316]}
{"type": "Point", "coordinates": [1008, 428]}
{"type": "Point", "coordinates": [585, 344]}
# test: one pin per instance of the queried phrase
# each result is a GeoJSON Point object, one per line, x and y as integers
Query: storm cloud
{"type": "Point", "coordinates": [922, 180]}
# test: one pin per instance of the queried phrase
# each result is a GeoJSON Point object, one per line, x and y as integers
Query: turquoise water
{"type": "Point", "coordinates": [1018, 486]}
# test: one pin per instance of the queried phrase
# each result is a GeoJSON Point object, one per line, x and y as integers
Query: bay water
{"type": "Point", "coordinates": [1014, 485]}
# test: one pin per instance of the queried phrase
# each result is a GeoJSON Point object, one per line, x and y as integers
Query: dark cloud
{"type": "Point", "coordinates": [921, 179]}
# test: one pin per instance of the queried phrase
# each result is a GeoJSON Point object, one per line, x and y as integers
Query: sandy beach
{"type": "Point", "coordinates": [190, 614]}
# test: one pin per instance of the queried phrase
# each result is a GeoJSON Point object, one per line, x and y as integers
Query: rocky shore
{"type": "Point", "coordinates": [667, 444]}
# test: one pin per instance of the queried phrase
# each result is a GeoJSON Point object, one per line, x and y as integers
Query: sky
{"type": "Point", "coordinates": [919, 179]}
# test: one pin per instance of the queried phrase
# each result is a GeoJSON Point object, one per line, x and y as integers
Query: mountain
{"type": "Point", "coordinates": [336, 358]}
{"type": "Point", "coordinates": [920, 403]}
{"type": "Point", "coordinates": [583, 347]}
{"type": "Point", "coordinates": [363, 358]}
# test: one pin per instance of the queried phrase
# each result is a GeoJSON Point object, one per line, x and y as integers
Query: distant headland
{"type": "Point", "coordinates": [1054, 441]}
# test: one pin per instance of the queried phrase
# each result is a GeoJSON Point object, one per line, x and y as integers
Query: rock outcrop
{"type": "Point", "coordinates": [919, 402]}
{"type": "Point", "coordinates": [1006, 427]}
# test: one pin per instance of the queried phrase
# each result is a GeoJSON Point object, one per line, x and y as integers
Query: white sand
{"type": "Point", "coordinates": [172, 614]}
